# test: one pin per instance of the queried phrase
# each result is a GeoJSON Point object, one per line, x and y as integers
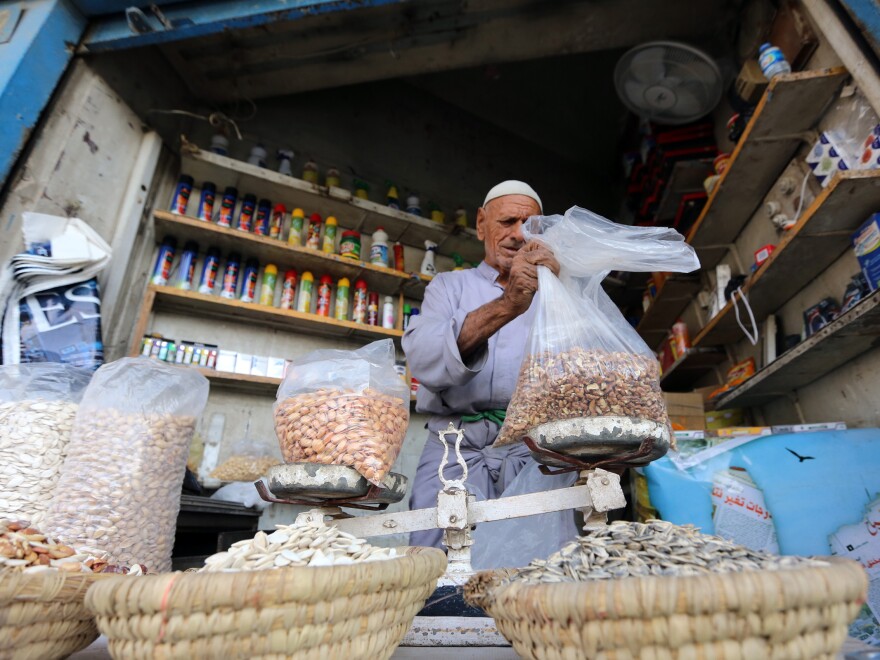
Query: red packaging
{"type": "Point", "coordinates": [373, 309]}
{"type": "Point", "coordinates": [324, 290]}
{"type": "Point", "coordinates": [288, 290]}
{"type": "Point", "coordinates": [359, 306]}
{"type": "Point", "coordinates": [398, 257]}
{"type": "Point", "coordinates": [762, 254]}
{"type": "Point", "coordinates": [681, 338]}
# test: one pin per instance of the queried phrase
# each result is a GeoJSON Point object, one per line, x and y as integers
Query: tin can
{"type": "Point", "coordinates": [398, 257]}
{"type": "Point", "coordinates": [350, 245]}
{"type": "Point", "coordinates": [328, 245]}
{"type": "Point", "coordinates": [181, 194]}
{"type": "Point", "coordinates": [227, 207]}
{"type": "Point", "coordinates": [340, 313]}
{"type": "Point", "coordinates": [373, 309]}
{"type": "Point", "coordinates": [288, 290]}
{"type": "Point", "coordinates": [324, 290]}
{"type": "Point", "coordinates": [681, 339]}
{"type": "Point", "coordinates": [296, 227]}
{"type": "Point", "coordinates": [230, 276]}
{"type": "Point", "coordinates": [181, 351]}
{"type": "Point", "coordinates": [264, 213]}
{"type": "Point", "coordinates": [249, 280]}
{"type": "Point", "coordinates": [313, 235]}
{"type": "Point", "coordinates": [267, 290]}
{"type": "Point", "coordinates": [277, 221]}
{"type": "Point", "coordinates": [186, 271]}
{"type": "Point", "coordinates": [206, 202]}
{"type": "Point", "coordinates": [304, 304]}
{"type": "Point", "coordinates": [163, 351]}
{"type": "Point", "coordinates": [209, 271]}
{"type": "Point", "coordinates": [246, 213]}
{"type": "Point", "coordinates": [164, 259]}
{"type": "Point", "coordinates": [359, 306]}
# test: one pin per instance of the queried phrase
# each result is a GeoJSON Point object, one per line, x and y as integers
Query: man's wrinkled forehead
{"type": "Point", "coordinates": [512, 206]}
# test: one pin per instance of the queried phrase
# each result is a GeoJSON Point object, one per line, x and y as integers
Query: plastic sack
{"type": "Point", "coordinates": [246, 460]}
{"type": "Point", "coordinates": [38, 403]}
{"type": "Point", "coordinates": [240, 492]}
{"type": "Point", "coordinates": [120, 485]}
{"type": "Point", "coordinates": [584, 359]}
{"type": "Point", "coordinates": [344, 408]}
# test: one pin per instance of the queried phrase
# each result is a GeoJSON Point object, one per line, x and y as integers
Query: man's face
{"type": "Point", "coordinates": [499, 226]}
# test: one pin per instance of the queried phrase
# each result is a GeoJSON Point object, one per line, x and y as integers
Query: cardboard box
{"type": "Point", "coordinates": [720, 419]}
{"type": "Point", "coordinates": [738, 431]}
{"type": "Point", "coordinates": [259, 365]}
{"type": "Point", "coordinates": [276, 367]}
{"type": "Point", "coordinates": [226, 361]}
{"type": "Point", "coordinates": [243, 364]}
{"type": "Point", "coordinates": [866, 245]}
{"type": "Point", "coordinates": [685, 410]}
{"type": "Point", "coordinates": [807, 428]}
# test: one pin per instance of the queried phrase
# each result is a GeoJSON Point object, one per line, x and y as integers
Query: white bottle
{"type": "Point", "coordinates": [219, 144]}
{"type": "Point", "coordinates": [413, 206]}
{"type": "Point", "coordinates": [388, 313]}
{"type": "Point", "coordinates": [428, 261]}
{"type": "Point", "coordinates": [379, 248]}
{"type": "Point", "coordinates": [284, 158]}
{"type": "Point", "coordinates": [258, 156]}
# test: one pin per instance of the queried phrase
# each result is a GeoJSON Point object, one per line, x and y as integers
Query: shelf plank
{"type": "Point", "coordinates": [791, 106]}
{"type": "Point", "coordinates": [190, 302]}
{"type": "Point", "coordinates": [270, 250]}
{"type": "Point", "coordinates": [671, 300]}
{"type": "Point", "coordinates": [689, 368]}
{"type": "Point", "coordinates": [852, 334]}
{"type": "Point", "coordinates": [819, 238]}
{"type": "Point", "coordinates": [351, 212]}
{"type": "Point", "coordinates": [687, 177]}
{"type": "Point", "coordinates": [241, 382]}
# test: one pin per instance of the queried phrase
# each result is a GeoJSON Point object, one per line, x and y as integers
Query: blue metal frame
{"type": "Point", "coordinates": [31, 64]}
{"type": "Point", "coordinates": [867, 14]}
{"type": "Point", "coordinates": [204, 18]}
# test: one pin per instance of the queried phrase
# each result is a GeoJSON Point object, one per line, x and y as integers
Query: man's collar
{"type": "Point", "coordinates": [488, 272]}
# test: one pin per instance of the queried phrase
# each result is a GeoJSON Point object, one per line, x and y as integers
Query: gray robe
{"type": "Point", "coordinates": [451, 387]}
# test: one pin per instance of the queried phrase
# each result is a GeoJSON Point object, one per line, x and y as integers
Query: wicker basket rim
{"type": "Point", "coordinates": [46, 586]}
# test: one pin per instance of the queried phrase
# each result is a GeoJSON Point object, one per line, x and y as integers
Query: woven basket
{"type": "Point", "coordinates": [354, 611]}
{"type": "Point", "coordinates": [42, 615]}
{"type": "Point", "coordinates": [786, 614]}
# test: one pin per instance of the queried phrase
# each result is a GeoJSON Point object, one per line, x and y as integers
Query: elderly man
{"type": "Point", "coordinates": [466, 347]}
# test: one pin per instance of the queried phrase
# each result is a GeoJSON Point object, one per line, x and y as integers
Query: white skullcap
{"type": "Point", "coordinates": [513, 187]}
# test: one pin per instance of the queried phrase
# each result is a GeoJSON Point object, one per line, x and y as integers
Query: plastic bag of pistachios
{"type": "Point", "coordinates": [344, 408]}
{"type": "Point", "coordinates": [583, 359]}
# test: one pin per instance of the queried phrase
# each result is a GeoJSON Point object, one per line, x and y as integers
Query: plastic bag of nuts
{"type": "Point", "coordinates": [38, 403]}
{"type": "Point", "coordinates": [119, 490]}
{"type": "Point", "coordinates": [584, 359]}
{"type": "Point", "coordinates": [344, 408]}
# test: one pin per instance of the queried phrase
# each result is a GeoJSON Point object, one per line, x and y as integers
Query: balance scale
{"type": "Point", "coordinates": [598, 448]}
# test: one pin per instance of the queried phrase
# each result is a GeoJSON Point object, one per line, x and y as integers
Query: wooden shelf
{"type": "Point", "coordinates": [241, 382]}
{"type": "Point", "coordinates": [852, 334]}
{"type": "Point", "coordinates": [819, 238]}
{"type": "Point", "coordinates": [693, 365]}
{"type": "Point", "coordinates": [351, 212]}
{"type": "Point", "coordinates": [192, 303]}
{"type": "Point", "coordinates": [671, 300]}
{"type": "Point", "coordinates": [270, 250]}
{"type": "Point", "coordinates": [687, 176]}
{"type": "Point", "coordinates": [791, 106]}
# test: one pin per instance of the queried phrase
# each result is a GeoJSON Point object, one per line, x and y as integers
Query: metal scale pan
{"type": "Point", "coordinates": [326, 483]}
{"type": "Point", "coordinates": [622, 441]}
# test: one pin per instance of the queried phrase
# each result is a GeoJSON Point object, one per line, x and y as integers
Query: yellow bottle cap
{"type": "Point", "coordinates": [272, 269]}
{"type": "Point", "coordinates": [330, 221]}
{"type": "Point", "coordinates": [307, 277]}
{"type": "Point", "coordinates": [299, 213]}
{"type": "Point", "coordinates": [343, 282]}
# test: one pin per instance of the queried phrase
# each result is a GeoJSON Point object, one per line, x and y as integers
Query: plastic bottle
{"type": "Point", "coordinates": [313, 236]}
{"type": "Point", "coordinates": [164, 259]}
{"type": "Point", "coordinates": [350, 245]}
{"type": "Point", "coordinates": [328, 245]}
{"type": "Point", "coordinates": [288, 290]}
{"type": "Point", "coordinates": [220, 144]}
{"type": "Point", "coordinates": [388, 312]}
{"type": "Point", "coordinates": [461, 217]}
{"type": "Point", "coordinates": [227, 207]}
{"type": "Point", "coordinates": [331, 180]}
{"type": "Point", "coordinates": [325, 286]}
{"type": "Point", "coordinates": [267, 290]}
{"type": "Point", "coordinates": [249, 280]}
{"type": "Point", "coordinates": [379, 248]}
{"type": "Point", "coordinates": [210, 267]}
{"type": "Point", "coordinates": [392, 199]}
{"type": "Point", "coordinates": [264, 213]}
{"type": "Point", "coordinates": [413, 206]}
{"type": "Point", "coordinates": [458, 261]}
{"type": "Point", "coordinates": [772, 61]}
{"type": "Point", "coordinates": [258, 156]}
{"type": "Point", "coordinates": [277, 221]}
{"type": "Point", "coordinates": [297, 220]}
{"type": "Point", "coordinates": [437, 215]}
{"type": "Point", "coordinates": [359, 306]}
{"type": "Point", "coordinates": [428, 261]}
{"type": "Point", "coordinates": [340, 313]}
{"type": "Point", "coordinates": [361, 189]}
{"type": "Point", "coordinates": [398, 257]}
{"type": "Point", "coordinates": [373, 308]}
{"type": "Point", "coordinates": [186, 270]}
{"type": "Point", "coordinates": [284, 158]}
{"type": "Point", "coordinates": [246, 213]}
{"type": "Point", "coordinates": [206, 202]}
{"type": "Point", "coordinates": [310, 172]}
{"type": "Point", "coordinates": [230, 276]}
{"type": "Point", "coordinates": [304, 304]}
{"type": "Point", "coordinates": [407, 314]}
{"type": "Point", "coordinates": [181, 194]}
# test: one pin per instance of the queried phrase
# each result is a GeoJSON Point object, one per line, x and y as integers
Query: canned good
{"type": "Point", "coordinates": [264, 213]}
{"type": "Point", "coordinates": [181, 194]}
{"type": "Point", "coordinates": [398, 257]}
{"type": "Point", "coordinates": [373, 309]}
{"type": "Point", "coordinates": [186, 271]}
{"type": "Point", "coordinates": [230, 276]}
{"type": "Point", "coordinates": [227, 207]}
{"type": "Point", "coordinates": [267, 290]}
{"type": "Point", "coordinates": [328, 245]}
{"type": "Point", "coordinates": [304, 304]}
{"type": "Point", "coordinates": [277, 220]}
{"type": "Point", "coordinates": [297, 219]}
{"type": "Point", "coordinates": [162, 268]}
{"type": "Point", "coordinates": [246, 213]}
{"type": "Point", "coordinates": [313, 237]}
{"type": "Point", "coordinates": [359, 306]}
{"type": "Point", "coordinates": [342, 290]}
{"type": "Point", "coordinates": [350, 245]}
{"type": "Point", "coordinates": [249, 280]}
{"type": "Point", "coordinates": [209, 271]}
{"type": "Point", "coordinates": [324, 290]}
{"type": "Point", "coordinates": [206, 202]}
{"type": "Point", "coordinates": [288, 290]}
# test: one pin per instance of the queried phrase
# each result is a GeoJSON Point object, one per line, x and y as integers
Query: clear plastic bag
{"type": "Point", "coordinates": [584, 359]}
{"type": "Point", "coordinates": [344, 408]}
{"type": "Point", "coordinates": [119, 490]}
{"type": "Point", "coordinates": [38, 403]}
{"type": "Point", "coordinates": [247, 460]}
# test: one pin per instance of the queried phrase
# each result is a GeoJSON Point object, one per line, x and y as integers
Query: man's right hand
{"type": "Point", "coordinates": [522, 283]}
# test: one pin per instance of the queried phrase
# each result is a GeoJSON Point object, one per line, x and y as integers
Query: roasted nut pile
{"type": "Point", "coordinates": [624, 549]}
{"type": "Point", "coordinates": [120, 489]}
{"type": "Point", "coordinates": [296, 545]}
{"type": "Point", "coordinates": [341, 427]}
{"type": "Point", "coordinates": [583, 383]}
{"type": "Point", "coordinates": [33, 443]}
{"type": "Point", "coordinates": [244, 468]}
{"type": "Point", "coordinates": [30, 551]}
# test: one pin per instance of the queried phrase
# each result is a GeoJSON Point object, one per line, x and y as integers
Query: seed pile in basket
{"type": "Point", "coordinates": [296, 545]}
{"type": "Point", "coordinates": [624, 549]}
{"type": "Point", "coordinates": [28, 550]}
